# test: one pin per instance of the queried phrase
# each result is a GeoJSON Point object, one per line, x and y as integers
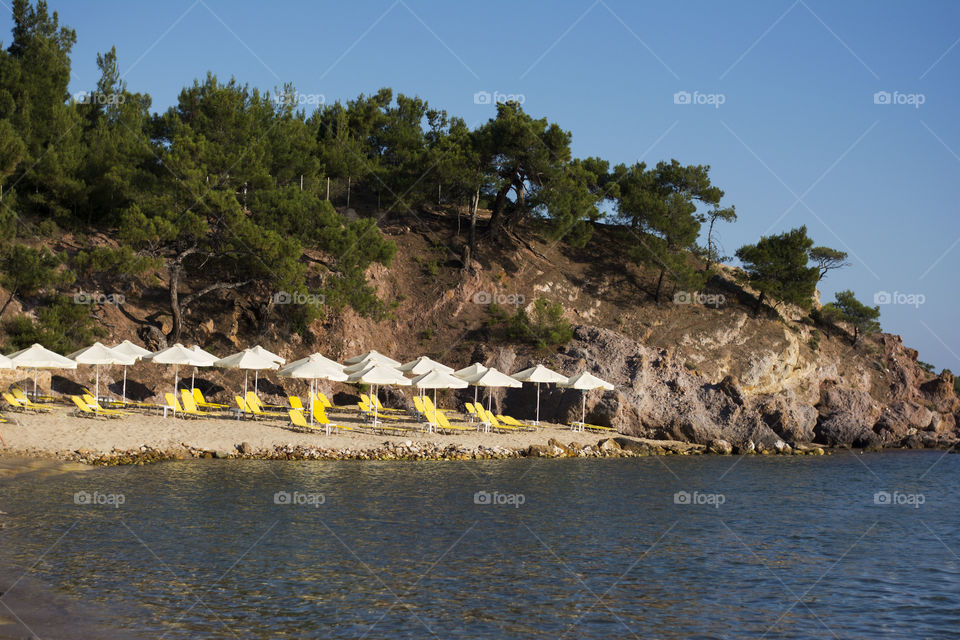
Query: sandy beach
{"type": "Point", "coordinates": [60, 434]}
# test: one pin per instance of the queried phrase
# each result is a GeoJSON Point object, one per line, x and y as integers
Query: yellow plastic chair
{"type": "Point", "coordinates": [189, 405]}
{"type": "Point", "coordinates": [177, 409]}
{"type": "Point", "coordinates": [85, 411]}
{"type": "Point", "coordinates": [19, 405]}
{"type": "Point", "coordinates": [202, 403]}
{"type": "Point", "coordinates": [93, 404]}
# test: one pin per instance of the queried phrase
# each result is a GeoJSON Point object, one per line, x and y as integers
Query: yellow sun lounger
{"type": "Point", "coordinates": [24, 406]}
{"type": "Point", "coordinates": [177, 409]}
{"type": "Point", "coordinates": [202, 403]}
{"type": "Point", "coordinates": [86, 411]}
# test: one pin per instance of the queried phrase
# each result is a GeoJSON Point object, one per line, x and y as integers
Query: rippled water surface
{"type": "Point", "coordinates": [758, 547]}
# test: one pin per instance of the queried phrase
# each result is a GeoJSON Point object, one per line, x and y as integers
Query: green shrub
{"type": "Point", "coordinates": [545, 327]}
{"type": "Point", "coordinates": [61, 326]}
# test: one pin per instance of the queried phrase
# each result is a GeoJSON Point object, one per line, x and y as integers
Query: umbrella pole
{"type": "Point", "coordinates": [312, 382]}
{"type": "Point", "coordinates": [256, 380]}
{"type": "Point", "coordinates": [124, 383]}
{"type": "Point", "coordinates": [192, 377]}
{"type": "Point", "coordinates": [34, 384]}
{"type": "Point", "coordinates": [583, 410]}
{"type": "Point", "coordinates": [435, 409]}
{"type": "Point", "coordinates": [374, 407]}
{"type": "Point", "coordinates": [538, 404]}
{"type": "Point", "coordinates": [176, 369]}
{"type": "Point", "coordinates": [97, 385]}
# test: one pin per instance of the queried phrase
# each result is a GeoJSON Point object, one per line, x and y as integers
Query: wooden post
{"type": "Point", "coordinates": [328, 188]}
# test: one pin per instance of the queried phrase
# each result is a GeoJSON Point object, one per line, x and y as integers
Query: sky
{"type": "Point", "coordinates": [840, 116]}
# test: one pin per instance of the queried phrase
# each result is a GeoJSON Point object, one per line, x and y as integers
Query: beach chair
{"type": "Point", "coordinates": [177, 409]}
{"type": "Point", "coordinates": [19, 405]}
{"type": "Point", "coordinates": [324, 401]}
{"type": "Point", "coordinates": [320, 417]}
{"type": "Point", "coordinates": [296, 404]}
{"type": "Point", "coordinates": [93, 404]}
{"type": "Point", "coordinates": [202, 403]}
{"type": "Point", "coordinates": [471, 412]}
{"type": "Point", "coordinates": [22, 397]}
{"type": "Point", "coordinates": [252, 410]}
{"type": "Point", "coordinates": [428, 403]}
{"type": "Point", "coordinates": [19, 394]}
{"type": "Point", "coordinates": [254, 401]}
{"type": "Point", "coordinates": [190, 405]}
{"type": "Point", "coordinates": [594, 427]}
{"type": "Point", "coordinates": [300, 422]}
{"type": "Point", "coordinates": [418, 405]}
{"type": "Point", "coordinates": [368, 412]}
{"type": "Point", "coordinates": [513, 422]}
{"type": "Point", "coordinates": [380, 406]}
{"type": "Point", "coordinates": [85, 411]}
{"type": "Point", "coordinates": [443, 423]}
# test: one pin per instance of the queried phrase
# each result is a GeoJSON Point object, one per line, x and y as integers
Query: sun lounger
{"type": "Point", "coordinates": [325, 401]}
{"type": "Point", "coordinates": [254, 401]}
{"type": "Point", "coordinates": [320, 417]}
{"type": "Point", "coordinates": [93, 404]}
{"type": "Point", "coordinates": [19, 394]}
{"type": "Point", "coordinates": [177, 409]}
{"type": "Point", "coordinates": [202, 403]}
{"type": "Point", "coordinates": [252, 410]}
{"type": "Point", "coordinates": [86, 411]}
{"type": "Point", "coordinates": [20, 405]}
{"type": "Point", "coordinates": [190, 405]}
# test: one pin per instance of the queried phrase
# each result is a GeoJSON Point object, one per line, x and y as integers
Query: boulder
{"type": "Point", "coordinates": [790, 419]}
{"type": "Point", "coordinates": [720, 447]}
{"type": "Point", "coordinates": [846, 418]}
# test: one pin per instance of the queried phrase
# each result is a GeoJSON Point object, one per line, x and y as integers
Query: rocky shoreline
{"type": "Point", "coordinates": [615, 447]}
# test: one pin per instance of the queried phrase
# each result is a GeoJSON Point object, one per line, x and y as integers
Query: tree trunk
{"type": "Point", "coordinates": [470, 249]}
{"type": "Point", "coordinates": [710, 251]}
{"type": "Point", "coordinates": [756, 309]}
{"type": "Point", "coordinates": [498, 205]}
{"type": "Point", "coordinates": [656, 296]}
{"type": "Point", "coordinates": [348, 192]}
{"type": "Point", "coordinates": [9, 299]}
{"type": "Point", "coordinates": [175, 311]}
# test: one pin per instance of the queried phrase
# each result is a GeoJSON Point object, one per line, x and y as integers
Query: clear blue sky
{"type": "Point", "coordinates": [798, 138]}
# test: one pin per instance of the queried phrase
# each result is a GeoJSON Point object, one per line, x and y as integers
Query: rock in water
{"type": "Point", "coordinates": [720, 447]}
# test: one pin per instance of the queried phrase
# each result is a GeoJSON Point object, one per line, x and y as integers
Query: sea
{"type": "Point", "coordinates": [849, 545]}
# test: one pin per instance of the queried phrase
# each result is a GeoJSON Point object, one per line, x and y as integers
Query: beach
{"type": "Point", "coordinates": [60, 434]}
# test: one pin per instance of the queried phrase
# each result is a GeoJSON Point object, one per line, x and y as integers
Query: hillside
{"type": "Point", "coordinates": [683, 370]}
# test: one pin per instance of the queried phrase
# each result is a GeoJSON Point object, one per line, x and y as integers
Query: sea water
{"type": "Point", "coordinates": [848, 545]}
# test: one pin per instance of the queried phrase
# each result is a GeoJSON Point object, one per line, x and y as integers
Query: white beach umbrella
{"type": "Point", "coordinates": [376, 375]}
{"type": "Point", "coordinates": [585, 382]}
{"type": "Point", "coordinates": [314, 367]}
{"type": "Point", "coordinates": [422, 365]}
{"type": "Point", "coordinates": [270, 355]}
{"type": "Point", "coordinates": [492, 378]}
{"type": "Point", "coordinates": [6, 363]}
{"type": "Point", "coordinates": [98, 354]}
{"type": "Point", "coordinates": [470, 374]}
{"type": "Point", "coordinates": [129, 349]}
{"type": "Point", "coordinates": [372, 355]}
{"type": "Point", "coordinates": [176, 355]}
{"type": "Point", "coordinates": [202, 356]}
{"type": "Point", "coordinates": [36, 357]}
{"type": "Point", "coordinates": [539, 374]}
{"type": "Point", "coordinates": [437, 380]}
{"type": "Point", "coordinates": [248, 360]}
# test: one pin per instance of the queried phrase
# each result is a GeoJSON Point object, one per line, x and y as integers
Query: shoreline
{"type": "Point", "coordinates": [145, 438]}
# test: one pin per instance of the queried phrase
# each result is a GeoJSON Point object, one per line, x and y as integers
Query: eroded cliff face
{"type": "Point", "coordinates": [753, 385]}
